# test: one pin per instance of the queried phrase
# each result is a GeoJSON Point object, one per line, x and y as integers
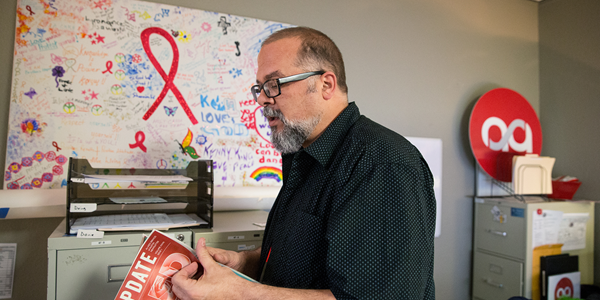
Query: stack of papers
{"type": "Point", "coordinates": [136, 178]}
{"type": "Point", "coordinates": [136, 181]}
{"type": "Point", "coordinates": [124, 222]}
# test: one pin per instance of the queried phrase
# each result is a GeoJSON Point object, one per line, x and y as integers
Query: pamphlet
{"type": "Point", "coordinates": [158, 259]}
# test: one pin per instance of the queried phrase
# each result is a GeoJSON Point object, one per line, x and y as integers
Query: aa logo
{"type": "Point", "coordinates": [503, 121]}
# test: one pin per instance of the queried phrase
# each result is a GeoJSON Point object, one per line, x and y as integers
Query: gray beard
{"type": "Point", "coordinates": [290, 139]}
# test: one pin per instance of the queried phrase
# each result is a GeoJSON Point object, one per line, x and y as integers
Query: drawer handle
{"type": "Point", "coordinates": [496, 232]}
{"type": "Point", "coordinates": [110, 279]}
{"type": "Point", "coordinates": [490, 282]}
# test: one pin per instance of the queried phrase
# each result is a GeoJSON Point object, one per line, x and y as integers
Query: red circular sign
{"type": "Point", "coordinates": [503, 124]}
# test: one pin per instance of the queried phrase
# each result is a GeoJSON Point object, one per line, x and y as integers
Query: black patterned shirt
{"type": "Point", "coordinates": [356, 215]}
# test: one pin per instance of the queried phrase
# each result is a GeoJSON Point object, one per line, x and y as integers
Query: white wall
{"type": "Point", "coordinates": [416, 66]}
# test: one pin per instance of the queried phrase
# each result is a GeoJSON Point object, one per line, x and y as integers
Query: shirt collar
{"type": "Point", "coordinates": [323, 148]}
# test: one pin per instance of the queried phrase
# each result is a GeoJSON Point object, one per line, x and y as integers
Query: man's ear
{"type": "Point", "coordinates": [329, 82]}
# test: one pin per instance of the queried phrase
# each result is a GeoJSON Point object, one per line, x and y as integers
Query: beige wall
{"type": "Point", "coordinates": [31, 263]}
{"type": "Point", "coordinates": [416, 66]}
{"type": "Point", "coordinates": [570, 94]}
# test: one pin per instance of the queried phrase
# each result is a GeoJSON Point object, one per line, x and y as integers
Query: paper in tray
{"type": "Point", "coordinates": [137, 185]}
{"type": "Point", "coordinates": [118, 182]}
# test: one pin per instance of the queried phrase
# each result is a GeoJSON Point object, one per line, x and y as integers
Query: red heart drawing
{"type": "Point", "coordinates": [140, 89]}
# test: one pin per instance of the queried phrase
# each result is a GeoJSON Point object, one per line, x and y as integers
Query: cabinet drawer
{"type": "Point", "coordinates": [505, 236]}
{"type": "Point", "coordinates": [496, 278]}
{"type": "Point", "coordinates": [230, 237]}
{"type": "Point", "coordinates": [237, 246]}
{"type": "Point", "coordinates": [92, 273]}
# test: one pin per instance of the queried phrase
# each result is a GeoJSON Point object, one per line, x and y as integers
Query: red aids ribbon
{"type": "Point", "coordinates": [54, 144]}
{"type": "Point", "coordinates": [108, 67]}
{"type": "Point", "coordinates": [169, 85]}
{"type": "Point", "coordinates": [140, 137]}
{"type": "Point", "coordinates": [29, 9]}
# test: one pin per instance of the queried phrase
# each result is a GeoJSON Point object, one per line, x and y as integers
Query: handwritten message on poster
{"type": "Point", "coordinates": [130, 84]}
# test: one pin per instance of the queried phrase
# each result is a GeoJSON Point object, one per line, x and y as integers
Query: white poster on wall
{"type": "Point", "coordinates": [131, 84]}
{"type": "Point", "coordinates": [431, 149]}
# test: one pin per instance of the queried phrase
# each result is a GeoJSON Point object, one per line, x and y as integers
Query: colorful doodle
{"type": "Point", "coordinates": [97, 109]}
{"type": "Point", "coordinates": [90, 76]}
{"type": "Point", "coordinates": [170, 111]}
{"type": "Point", "coordinates": [169, 85]}
{"type": "Point", "coordinates": [31, 126]}
{"type": "Point", "coordinates": [267, 173]}
{"type": "Point", "coordinates": [69, 107]}
{"type": "Point", "coordinates": [185, 145]}
{"type": "Point", "coordinates": [58, 71]}
{"type": "Point", "coordinates": [31, 93]}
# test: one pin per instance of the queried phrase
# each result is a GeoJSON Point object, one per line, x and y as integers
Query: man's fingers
{"type": "Point", "coordinates": [186, 272]}
{"type": "Point", "coordinates": [222, 258]}
{"type": "Point", "coordinates": [182, 280]}
{"type": "Point", "coordinates": [203, 255]}
{"type": "Point", "coordinates": [220, 255]}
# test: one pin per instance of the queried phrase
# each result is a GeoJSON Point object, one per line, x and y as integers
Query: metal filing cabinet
{"type": "Point", "coordinates": [234, 230]}
{"type": "Point", "coordinates": [503, 248]}
{"type": "Point", "coordinates": [95, 268]}
{"type": "Point", "coordinates": [91, 269]}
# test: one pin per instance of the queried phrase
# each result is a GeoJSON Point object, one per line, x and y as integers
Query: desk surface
{"type": "Point", "coordinates": [227, 221]}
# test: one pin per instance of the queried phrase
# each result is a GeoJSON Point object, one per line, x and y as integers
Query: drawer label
{"type": "Point", "coordinates": [246, 247]}
{"type": "Point", "coordinates": [90, 234]}
{"type": "Point", "coordinates": [83, 207]}
{"type": "Point", "coordinates": [100, 243]}
{"type": "Point", "coordinates": [517, 212]}
{"type": "Point", "coordinates": [235, 237]}
{"type": "Point", "coordinates": [496, 269]}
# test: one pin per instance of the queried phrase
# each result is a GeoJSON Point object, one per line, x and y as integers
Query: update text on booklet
{"type": "Point", "coordinates": [159, 257]}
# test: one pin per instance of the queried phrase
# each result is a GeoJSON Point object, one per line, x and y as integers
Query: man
{"type": "Point", "coordinates": [355, 217]}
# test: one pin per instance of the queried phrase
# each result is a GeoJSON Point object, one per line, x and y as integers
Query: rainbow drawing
{"type": "Point", "coordinates": [268, 173]}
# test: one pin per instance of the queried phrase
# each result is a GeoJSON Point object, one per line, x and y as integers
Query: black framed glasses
{"type": "Point", "coordinates": [272, 87]}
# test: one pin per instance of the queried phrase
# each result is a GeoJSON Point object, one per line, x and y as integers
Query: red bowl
{"type": "Point", "coordinates": [564, 189]}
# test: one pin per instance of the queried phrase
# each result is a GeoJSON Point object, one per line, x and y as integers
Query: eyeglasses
{"type": "Point", "coordinates": [272, 87]}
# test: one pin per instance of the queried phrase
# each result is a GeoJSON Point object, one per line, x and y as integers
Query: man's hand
{"type": "Point", "coordinates": [232, 259]}
{"type": "Point", "coordinates": [216, 282]}
{"type": "Point", "coordinates": [245, 262]}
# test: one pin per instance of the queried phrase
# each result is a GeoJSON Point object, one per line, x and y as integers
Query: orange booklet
{"type": "Point", "coordinates": [159, 257]}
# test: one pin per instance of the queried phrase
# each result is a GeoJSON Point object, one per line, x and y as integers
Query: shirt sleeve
{"type": "Point", "coordinates": [380, 239]}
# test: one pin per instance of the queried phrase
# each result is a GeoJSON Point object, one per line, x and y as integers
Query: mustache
{"type": "Point", "coordinates": [272, 113]}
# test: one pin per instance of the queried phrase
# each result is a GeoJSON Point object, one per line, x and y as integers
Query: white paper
{"type": "Point", "coordinates": [572, 231]}
{"type": "Point", "coordinates": [8, 253]}
{"type": "Point", "coordinates": [431, 150]}
{"type": "Point", "coordinates": [545, 227]}
{"type": "Point", "coordinates": [186, 219]}
{"type": "Point", "coordinates": [567, 284]}
{"type": "Point", "coordinates": [136, 200]}
{"type": "Point", "coordinates": [135, 222]}
{"type": "Point", "coordinates": [498, 215]}
{"type": "Point", "coordinates": [134, 178]}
